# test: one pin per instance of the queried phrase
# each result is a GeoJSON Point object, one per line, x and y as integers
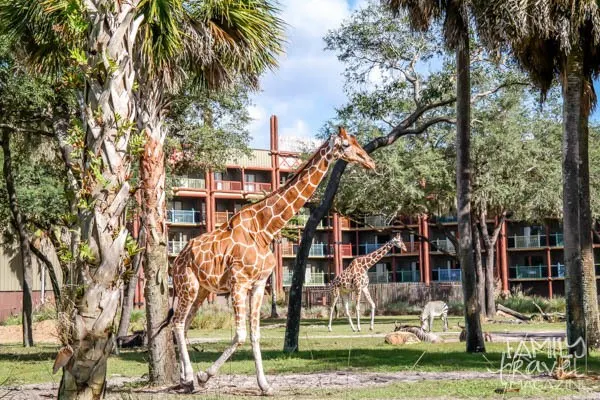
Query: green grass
{"type": "Point", "coordinates": [320, 351]}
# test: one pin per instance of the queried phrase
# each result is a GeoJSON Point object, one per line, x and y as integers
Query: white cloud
{"type": "Point", "coordinates": [304, 91]}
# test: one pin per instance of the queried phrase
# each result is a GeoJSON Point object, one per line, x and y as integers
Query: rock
{"type": "Point", "coordinates": [401, 338]}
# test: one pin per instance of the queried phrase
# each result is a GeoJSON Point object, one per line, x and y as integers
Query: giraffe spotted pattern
{"type": "Point", "coordinates": [236, 257]}
{"type": "Point", "coordinates": [355, 279]}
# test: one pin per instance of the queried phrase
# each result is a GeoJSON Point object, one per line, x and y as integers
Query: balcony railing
{"type": "Point", "coordinates": [184, 217]}
{"type": "Point", "coordinates": [310, 278]}
{"type": "Point", "coordinates": [412, 247]}
{"type": "Point", "coordinates": [442, 245]}
{"type": "Point", "coordinates": [375, 220]}
{"type": "Point", "coordinates": [404, 275]}
{"type": "Point", "coordinates": [346, 250]}
{"type": "Point", "coordinates": [300, 220]}
{"type": "Point", "coordinates": [380, 277]}
{"type": "Point", "coordinates": [223, 216]}
{"type": "Point", "coordinates": [533, 241]}
{"type": "Point", "coordinates": [446, 275]}
{"type": "Point", "coordinates": [447, 218]}
{"type": "Point", "coordinates": [257, 187]}
{"type": "Point", "coordinates": [227, 185]}
{"type": "Point", "coordinates": [528, 271]}
{"type": "Point", "coordinates": [175, 246]}
{"type": "Point", "coordinates": [189, 183]}
{"type": "Point", "coordinates": [316, 250]}
{"type": "Point", "coordinates": [366, 248]}
{"type": "Point", "coordinates": [344, 222]}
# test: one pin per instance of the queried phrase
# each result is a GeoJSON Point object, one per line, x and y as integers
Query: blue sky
{"type": "Point", "coordinates": [304, 91]}
{"type": "Point", "coordinates": [307, 87]}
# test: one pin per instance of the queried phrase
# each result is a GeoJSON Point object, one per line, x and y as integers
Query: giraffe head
{"type": "Point", "coordinates": [398, 242]}
{"type": "Point", "coordinates": [346, 147]}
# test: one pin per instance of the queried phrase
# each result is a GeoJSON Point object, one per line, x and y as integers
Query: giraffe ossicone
{"type": "Point", "coordinates": [236, 257]}
{"type": "Point", "coordinates": [355, 279]}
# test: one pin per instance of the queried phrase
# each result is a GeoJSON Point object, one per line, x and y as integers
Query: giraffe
{"type": "Point", "coordinates": [236, 258]}
{"type": "Point", "coordinates": [355, 279]}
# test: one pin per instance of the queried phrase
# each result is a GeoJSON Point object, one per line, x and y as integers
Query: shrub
{"type": "Point", "coordinates": [13, 320]}
{"type": "Point", "coordinates": [525, 304]}
{"type": "Point", "coordinates": [46, 311]}
{"type": "Point", "coordinates": [137, 320]}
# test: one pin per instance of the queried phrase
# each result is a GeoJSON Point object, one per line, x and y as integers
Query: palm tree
{"type": "Point", "coordinates": [214, 43]}
{"type": "Point", "coordinates": [455, 16]}
{"type": "Point", "coordinates": [559, 40]}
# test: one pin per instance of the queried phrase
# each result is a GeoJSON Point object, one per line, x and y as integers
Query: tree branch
{"type": "Point", "coordinates": [14, 128]}
{"type": "Point", "coordinates": [51, 271]}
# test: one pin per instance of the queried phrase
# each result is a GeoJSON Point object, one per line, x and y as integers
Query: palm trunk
{"type": "Point", "coordinates": [479, 269]}
{"type": "Point", "coordinates": [590, 298]}
{"type": "Point", "coordinates": [87, 332]}
{"type": "Point", "coordinates": [19, 225]}
{"type": "Point", "coordinates": [574, 282]}
{"type": "Point", "coordinates": [162, 362]}
{"type": "Point", "coordinates": [274, 313]}
{"type": "Point", "coordinates": [474, 339]}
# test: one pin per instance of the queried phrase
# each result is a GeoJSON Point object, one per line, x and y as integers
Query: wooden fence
{"type": "Point", "coordinates": [383, 294]}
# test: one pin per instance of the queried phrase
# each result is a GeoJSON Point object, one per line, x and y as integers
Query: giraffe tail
{"type": "Point", "coordinates": [165, 323]}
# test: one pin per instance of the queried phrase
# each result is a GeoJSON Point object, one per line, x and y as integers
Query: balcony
{"type": "Point", "coordinates": [528, 271]}
{"type": "Point", "coordinates": [300, 221]}
{"type": "Point", "coordinates": [442, 245]}
{"type": "Point", "coordinates": [446, 275]}
{"type": "Point", "coordinates": [184, 217]}
{"type": "Point", "coordinates": [310, 278]}
{"type": "Point", "coordinates": [381, 277]}
{"type": "Point", "coordinates": [316, 250]}
{"type": "Point", "coordinates": [366, 248]}
{"type": "Point", "coordinates": [175, 246]}
{"type": "Point", "coordinates": [257, 187]}
{"type": "Point", "coordinates": [404, 275]}
{"type": "Point", "coordinates": [412, 247]}
{"type": "Point", "coordinates": [375, 220]}
{"type": "Point", "coordinates": [189, 183]}
{"type": "Point", "coordinates": [446, 219]}
{"type": "Point", "coordinates": [346, 249]}
{"type": "Point", "coordinates": [223, 216]}
{"type": "Point", "coordinates": [344, 222]}
{"type": "Point", "coordinates": [227, 185]}
{"type": "Point", "coordinates": [534, 241]}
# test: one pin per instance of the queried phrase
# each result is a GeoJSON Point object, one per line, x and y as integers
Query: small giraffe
{"type": "Point", "coordinates": [355, 279]}
{"type": "Point", "coordinates": [236, 258]}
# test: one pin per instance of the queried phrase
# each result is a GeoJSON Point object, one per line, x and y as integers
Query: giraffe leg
{"type": "Point", "coordinates": [202, 295]}
{"type": "Point", "coordinates": [358, 297]}
{"type": "Point", "coordinates": [239, 296]}
{"type": "Point", "coordinates": [347, 307]}
{"type": "Point", "coordinates": [445, 318]}
{"type": "Point", "coordinates": [186, 297]}
{"type": "Point", "coordinates": [372, 303]}
{"type": "Point", "coordinates": [255, 303]}
{"type": "Point", "coordinates": [335, 296]}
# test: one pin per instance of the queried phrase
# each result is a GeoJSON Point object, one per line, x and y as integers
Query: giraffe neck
{"type": "Point", "coordinates": [373, 257]}
{"type": "Point", "coordinates": [278, 208]}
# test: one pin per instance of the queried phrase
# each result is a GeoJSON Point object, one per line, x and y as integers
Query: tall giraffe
{"type": "Point", "coordinates": [235, 258]}
{"type": "Point", "coordinates": [355, 279]}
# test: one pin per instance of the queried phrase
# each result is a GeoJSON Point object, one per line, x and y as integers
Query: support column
{"type": "Point", "coordinates": [548, 261]}
{"type": "Point", "coordinates": [275, 184]}
{"type": "Point", "coordinates": [394, 269]}
{"type": "Point", "coordinates": [426, 269]}
{"type": "Point", "coordinates": [504, 257]}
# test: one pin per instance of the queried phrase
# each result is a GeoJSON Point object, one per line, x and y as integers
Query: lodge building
{"type": "Point", "coordinates": [529, 256]}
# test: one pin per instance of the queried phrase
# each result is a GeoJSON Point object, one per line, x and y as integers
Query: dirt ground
{"type": "Point", "coordinates": [43, 332]}
{"type": "Point", "coordinates": [286, 386]}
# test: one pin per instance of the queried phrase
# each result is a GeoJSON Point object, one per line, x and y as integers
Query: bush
{"type": "Point", "coordinates": [137, 320]}
{"type": "Point", "coordinates": [45, 312]}
{"type": "Point", "coordinates": [402, 308]}
{"type": "Point", "coordinates": [456, 308]}
{"type": "Point", "coordinates": [213, 316]}
{"type": "Point", "coordinates": [525, 304]}
{"type": "Point", "coordinates": [13, 320]}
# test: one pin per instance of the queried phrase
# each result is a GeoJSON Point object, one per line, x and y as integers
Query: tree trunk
{"type": "Point", "coordinates": [479, 269]}
{"type": "Point", "coordinates": [489, 242]}
{"type": "Point", "coordinates": [583, 326]}
{"type": "Point", "coordinates": [129, 292]}
{"type": "Point", "coordinates": [162, 361]}
{"type": "Point", "coordinates": [274, 313]}
{"type": "Point", "coordinates": [19, 225]}
{"type": "Point", "coordinates": [572, 96]}
{"type": "Point", "coordinates": [88, 337]}
{"type": "Point", "coordinates": [590, 296]}
{"type": "Point", "coordinates": [474, 340]}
